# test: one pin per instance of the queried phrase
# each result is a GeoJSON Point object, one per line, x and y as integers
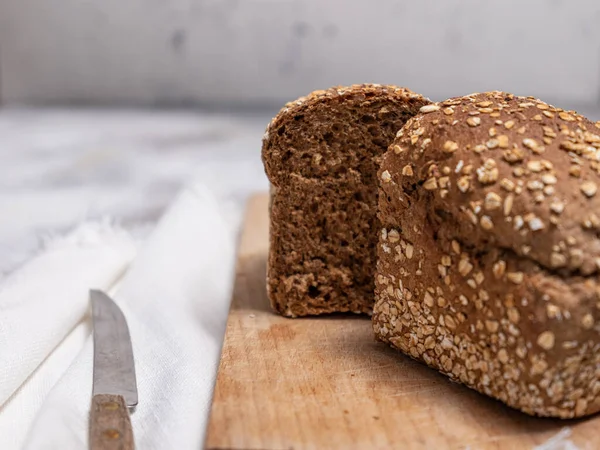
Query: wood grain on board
{"type": "Point", "coordinates": [324, 383]}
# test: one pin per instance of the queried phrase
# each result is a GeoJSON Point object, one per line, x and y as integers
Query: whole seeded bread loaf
{"type": "Point", "coordinates": [489, 251]}
{"type": "Point", "coordinates": [321, 154]}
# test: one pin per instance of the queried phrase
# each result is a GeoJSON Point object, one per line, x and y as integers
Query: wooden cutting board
{"type": "Point", "coordinates": [324, 383]}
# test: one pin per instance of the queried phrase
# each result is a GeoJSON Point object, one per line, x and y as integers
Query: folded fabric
{"type": "Point", "coordinates": [175, 297]}
{"type": "Point", "coordinates": [40, 306]}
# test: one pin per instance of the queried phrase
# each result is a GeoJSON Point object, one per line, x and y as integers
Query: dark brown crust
{"type": "Point", "coordinates": [494, 197]}
{"type": "Point", "coordinates": [321, 154]}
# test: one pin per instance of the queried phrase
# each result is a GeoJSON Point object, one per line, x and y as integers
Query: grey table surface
{"type": "Point", "coordinates": [61, 167]}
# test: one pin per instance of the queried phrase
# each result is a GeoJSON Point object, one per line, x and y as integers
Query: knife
{"type": "Point", "coordinates": [114, 388]}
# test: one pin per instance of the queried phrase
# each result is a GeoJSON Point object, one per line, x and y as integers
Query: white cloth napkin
{"type": "Point", "coordinates": [175, 296]}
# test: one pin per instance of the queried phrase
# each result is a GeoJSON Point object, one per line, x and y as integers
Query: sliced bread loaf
{"type": "Point", "coordinates": [321, 154]}
{"type": "Point", "coordinates": [489, 254]}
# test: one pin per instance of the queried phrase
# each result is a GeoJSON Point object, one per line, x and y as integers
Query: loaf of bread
{"type": "Point", "coordinates": [321, 154]}
{"type": "Point", "coordinates": [489, 251]}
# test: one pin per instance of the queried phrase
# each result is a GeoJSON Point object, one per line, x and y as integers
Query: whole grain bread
{"type": "Point", "coordinates": [321, 154]}
{"type": "Point", "coordinates": [489, 251]}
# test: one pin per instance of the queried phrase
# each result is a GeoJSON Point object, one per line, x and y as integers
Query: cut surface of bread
{"type": "Point", "coordinates": [489, 250]}
{"type": "Point", "coordinates": [321, 154]}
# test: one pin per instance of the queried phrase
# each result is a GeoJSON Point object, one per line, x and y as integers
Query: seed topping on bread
{"type": "Point", "coordinates": [529, 172]}
{"type": "Point", "coordinates": [499, 210]}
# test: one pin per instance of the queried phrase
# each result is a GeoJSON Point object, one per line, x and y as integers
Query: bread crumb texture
{"type": "Point", "coordinates": [492, 274]}
{"type": "Point", "coordinates": [321, 154]}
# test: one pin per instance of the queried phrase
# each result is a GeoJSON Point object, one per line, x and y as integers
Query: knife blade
{"type": "Point", "coordinates": [114, 383]}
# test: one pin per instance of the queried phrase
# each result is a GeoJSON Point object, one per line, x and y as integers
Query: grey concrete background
{"type": "Point", "coordinates": [264, 52]}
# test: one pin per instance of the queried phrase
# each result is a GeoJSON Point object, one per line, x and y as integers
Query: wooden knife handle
{"type": "Point", "coordinates": [110, 425]}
